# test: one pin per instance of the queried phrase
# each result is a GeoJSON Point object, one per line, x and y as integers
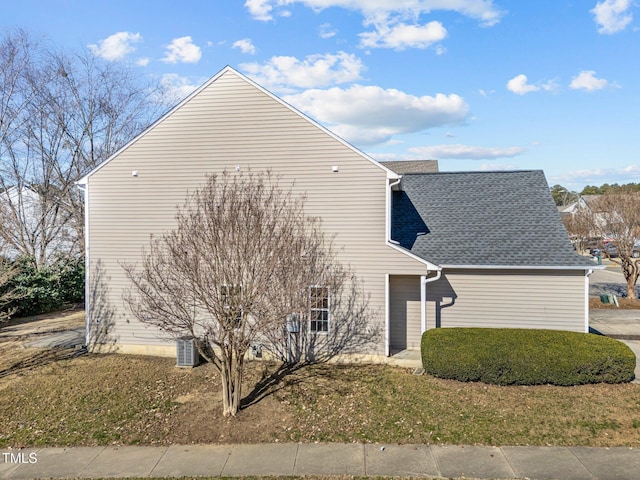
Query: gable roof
{"type": "Point", "coordinates": [226, 70]}
{"type": "Point", "coordinates": [482, 219]}
{"type": "Point", "coordinates": [412, 166]}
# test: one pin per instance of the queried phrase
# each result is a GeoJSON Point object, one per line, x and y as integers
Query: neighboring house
{"type": "Point", "coordinates": [584, 201]}
{"type": "Point", "coordinates": [412, 166]}
{"type": "Point", "coordinates": [432, 250]}
{"type": "Point", "coordinates": [587, 206]}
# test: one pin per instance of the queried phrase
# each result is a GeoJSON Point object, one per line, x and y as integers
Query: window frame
{"type": "Point", "coordinates": [323, 311]}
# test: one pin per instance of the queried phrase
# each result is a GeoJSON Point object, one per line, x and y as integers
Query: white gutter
{"type": "Point", "coordinates": [423, 297]}
{"type": "Point", "coordinates": [423, 278]}
{"type": "Point", "coordinates": [388, 208]}
{"type": "Point", "coordinates": [392, 243]}
{"type": "Point", "coordinates": [524, 267]}
{"type": "Point", "coordinates": [84, 187]}
{"type": "Point", "coordinates": [387, 318]}
{"type": "Point", "coordinates": [586, 300]}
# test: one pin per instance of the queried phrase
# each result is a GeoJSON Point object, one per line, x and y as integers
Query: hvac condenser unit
{"type": "Point", "coordinates": [187, 353]}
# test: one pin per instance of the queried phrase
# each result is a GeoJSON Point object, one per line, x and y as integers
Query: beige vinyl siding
{"type": "Point", "coordinates": [227, 124]}
{"type": "Point", "coordinates": [519, 299]}
{"type": "Point", "coordinates": [404, 312]}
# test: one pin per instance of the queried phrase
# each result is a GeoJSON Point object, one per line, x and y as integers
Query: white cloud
{"type": "Point", "coordinates": [551, 85]}
{"type": "Point", "coordinates": [519, 85]}
{"type": "Point", "coordinates": [176, 88]}
{"type": "Point", "coordinates": [259, 9]}
{"type": "Point", "coordinates": [612, 16]}
{"type": "Point", "coordinates": [395, 22]}
{"type": "Point", "coordinates": [143, 62]}
{"type": "Point", "coordinates": [116, 46]}
{"type": "Point", "coordinates": [368, 115]}
{"type": "Point", "coordinates": [327, 31]}
{"type": "Point", "coordinates": [245, 46]}
{"type": "Point", "coordinates": [400, 36]}
{"type": "Point", "coordinates": [481, 10]}
{"type": "Point", "coordinates": [586, 80]}
{"type": "Point", "coordinates": [577, 179]}
{"type": "Point", "coordinates": [468, 152]}
{"type": "Point", "coordinates": [182, 50]}
{"type": "Point", "coordinates": [284, 73]}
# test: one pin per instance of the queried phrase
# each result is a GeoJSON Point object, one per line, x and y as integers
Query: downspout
{"type": "Point", "coordinates": [387, 318]}
{"type": "Point", "coordinates": [387, 304]}
{"type": "Point", "coordinates": [389, 194]}
{"type": "Point", "coordinates": [423, 297]}
{"type": "Point", "coordinates": [87, 307]}
{"type": "Point", "coordinates": [586, 300]}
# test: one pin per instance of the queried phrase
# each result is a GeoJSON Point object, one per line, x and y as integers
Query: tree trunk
{"type": "Point", "coordinates": [231, 374]}
{"type": "Point", "coordinates": [631, 269]}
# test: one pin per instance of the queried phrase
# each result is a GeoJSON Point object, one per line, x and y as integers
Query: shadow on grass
{"type": "Point", "coordinates": [40, 359]}
{"type": "Point", "coordinates": [271, 383]}
{"type": "Point", "coordinates": [287, 375]}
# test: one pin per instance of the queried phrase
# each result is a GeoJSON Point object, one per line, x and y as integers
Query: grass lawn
{"type": "Point", "coordinates": [97, 400]}
{"type": "Point", "coordinates": [53, 398]}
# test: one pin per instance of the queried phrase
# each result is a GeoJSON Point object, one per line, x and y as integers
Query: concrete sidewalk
{"type": "Point", "coordinates": [537, 463]}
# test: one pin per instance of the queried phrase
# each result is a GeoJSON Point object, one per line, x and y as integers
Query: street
{"type": "Point", "coordinates": [609, 281]}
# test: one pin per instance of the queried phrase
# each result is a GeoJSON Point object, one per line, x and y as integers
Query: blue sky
{"type": "Point", "coordinates": [476, 84]}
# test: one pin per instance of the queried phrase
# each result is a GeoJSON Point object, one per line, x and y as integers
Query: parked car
{"type": "Point", "coordinates": [611, 250]}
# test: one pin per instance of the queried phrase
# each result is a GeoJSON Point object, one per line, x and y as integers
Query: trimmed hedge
{"type": "Point", "coordinates": [507, 356]}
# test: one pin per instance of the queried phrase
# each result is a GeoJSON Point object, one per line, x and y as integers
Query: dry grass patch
{"type": "Point", "coordinates": [624, 302]}
{"type": "Point", "coordinates": [97, 400]}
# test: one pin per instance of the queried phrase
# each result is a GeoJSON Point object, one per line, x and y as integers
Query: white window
{"type": "Point", "coordinates": [231, 303]}
{"type": "Point", "coordinates": [319, 309]}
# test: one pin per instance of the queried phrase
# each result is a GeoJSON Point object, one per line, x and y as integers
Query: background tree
{"type": "Point", "coordinates": [61, 114]}
{"type": "Point", "coordinates": [562, 196]}
{"type": "Point", "coordinates": [242, 259]}
{"type": "Point", "coordinates": [8, 295]}
{"type": "Point", "coordinates": [617, 215]}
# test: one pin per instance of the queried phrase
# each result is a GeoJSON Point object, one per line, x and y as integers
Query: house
{"type": "Point", "coordinates": [584, 201]}
{"type": "Point", "coordinates": [412, 166]}
{"type": "Point", "coordinates": [429, 255]}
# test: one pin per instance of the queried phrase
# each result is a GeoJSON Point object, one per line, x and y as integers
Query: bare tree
{"type": "Point", "coordinates": [579, 227]}
{"type": "Point", "coordinates": [7, 294]}
{"type": "Point", "coordinates": [61, 114]}
{"type": "Point", "coordinates": [617, 215]}
{"type": "Point", "coordinates": [242, 260]}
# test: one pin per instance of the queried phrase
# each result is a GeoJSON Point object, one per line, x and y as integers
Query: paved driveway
{"type": "Point", "coordinates": [623, 325]}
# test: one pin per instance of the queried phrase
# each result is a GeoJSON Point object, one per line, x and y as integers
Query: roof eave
{"type": "Point", "coordinates": [522, 267]}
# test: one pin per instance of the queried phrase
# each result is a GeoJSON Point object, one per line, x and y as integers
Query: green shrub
{"type": "Point", "coordinates": [525, 357]}
{"type": "Point", "coordinates": [47, 289]}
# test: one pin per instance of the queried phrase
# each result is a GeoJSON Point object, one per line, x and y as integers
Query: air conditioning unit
{"type": "Point", "coordinates": [187, 353]}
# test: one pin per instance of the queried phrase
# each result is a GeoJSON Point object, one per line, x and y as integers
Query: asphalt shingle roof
{"type": "Point", "coordinates": [412, 166]}
{"type": "Point", "coordinates": [482, 219]}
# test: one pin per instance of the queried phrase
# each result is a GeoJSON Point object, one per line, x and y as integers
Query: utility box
{"type": "Point", "coordinates": [293, 323]}
{"type": "Point", "coordinates": [187, 353]}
